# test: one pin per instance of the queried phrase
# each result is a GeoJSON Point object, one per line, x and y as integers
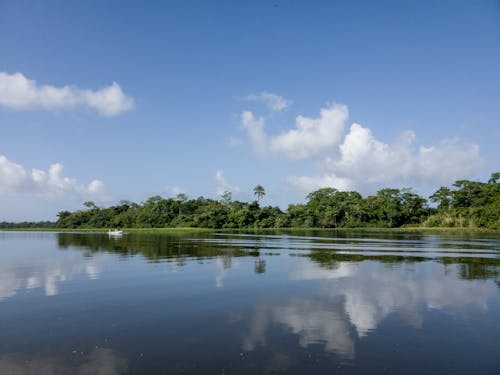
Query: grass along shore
{"type": "Point", "coordinates": [180, 230]}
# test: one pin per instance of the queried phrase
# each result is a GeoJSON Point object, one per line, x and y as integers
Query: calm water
{"type": "Point", "coordinates": [235, 304]}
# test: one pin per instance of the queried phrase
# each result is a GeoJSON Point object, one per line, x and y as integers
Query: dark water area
{"type": "Point", "coordinates": [315, 303]}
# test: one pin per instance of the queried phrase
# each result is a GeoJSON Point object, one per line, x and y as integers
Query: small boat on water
{"type": "Point", "coordinates": [115, 232]}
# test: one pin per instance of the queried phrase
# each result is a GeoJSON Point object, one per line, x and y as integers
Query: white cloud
{"type": "Point", "coordinates": [15, 180]}
{"type": "Point", "coordinates": [365, 163]}
{"type": "Point", "coordinates": [448, 161]}
{"type": "Point", "coordinates": [109, 101]}
{"type": "Point", "coordinates": [274, 102]}
{"type": "Point", "coordinates": [308, 184]}
{"type": "Point", "coordinates": [17, 92]}
{"type": "Point", "coordinates": [357, 160]}
{"type": "Point", "coordinates": [255, 130]}
{"type": "Point", "coordinates": [223, 185]}
{"type": "Point", "coordinates": [310, 136]}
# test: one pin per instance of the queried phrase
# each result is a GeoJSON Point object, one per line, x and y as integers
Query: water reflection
{"type": "Point", "coordinates": [479, 262]}
{"type": "Point", "coordinates": [469, 268]}
{"type": "Point", "coordinates": [477, 258]}
{"type": "Point", "coordinates": [243, 303]}
{"type": "Point", "coordinates": [352, 299]}
{"type": "Point", "coordinates": [100, 361]}
{"type": "Point", "coordinates": [157, 248]}
{"type": "Point", "coordinates": [153, 247]}
{"type": "Point", "coordinates": [46, 271]}
{"type": "Point", "coordinates": [260, 266]}
{"type": "Point", "coordinates": [314, 321]}
{"type": "Point", "coordinates": [224, 266]}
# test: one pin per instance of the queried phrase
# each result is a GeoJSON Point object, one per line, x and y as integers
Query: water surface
{"type": "Point", "coordinates": [235, 303]}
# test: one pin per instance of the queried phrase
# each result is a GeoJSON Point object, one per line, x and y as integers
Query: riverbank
{"type": "Point", "coordinates": [267, 230]}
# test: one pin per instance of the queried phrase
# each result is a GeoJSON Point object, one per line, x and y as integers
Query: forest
{"type": "Point", "coordinates": [466, 204]}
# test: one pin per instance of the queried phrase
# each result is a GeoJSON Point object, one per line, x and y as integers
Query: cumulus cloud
{"type": "Point", "coordinates": [309, 137]}
{"type": "Point", "coordinates": [15, 179]}
{"type": "Point", "coordinates": [356, 159]}
{"type": "Point", "coordinates": [223, 185]}
{"type": "Point", "coordinates": [19, 93]}
{"type": "Point", "coordinates": [365, 163]}
{"type": "Point", "coordinates": [274, 102]}
{"type": "Point", "coordinates": [312, 135]}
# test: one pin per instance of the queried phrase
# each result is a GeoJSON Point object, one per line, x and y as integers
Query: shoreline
{"type": "Point", "coordinates": [261, 230]}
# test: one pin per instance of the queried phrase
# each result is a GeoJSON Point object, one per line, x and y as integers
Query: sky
{"type": "Point", "coordinates": [109, 100]}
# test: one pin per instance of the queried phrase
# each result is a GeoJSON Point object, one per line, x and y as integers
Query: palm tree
{"type": "Point", "coordinates": [259, 192]}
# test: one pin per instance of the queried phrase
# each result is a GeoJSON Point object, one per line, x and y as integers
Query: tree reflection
{"type": "Point", "coordinates": [469, 268]}
{"type": "Point", "coordinates": [260, 266]}
{"type": "Point", "coordinates": [154, 247]}
{"type": "Point", "coordinates": [324, 251]}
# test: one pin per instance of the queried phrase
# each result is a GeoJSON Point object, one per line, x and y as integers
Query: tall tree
{"type": "Point", "coordinates": [443, 197]}
{"type": "Point", "coordinates": [90, 205]}
{"type": "Point", "coordinates": [259, 192]}
{"type": "Point", "coordinates": [226, 198]}
{"type": "Point", "coordinates": [494, 178]}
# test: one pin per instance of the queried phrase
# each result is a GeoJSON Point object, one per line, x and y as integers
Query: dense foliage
{"type": "Point", "coordinates": [27, 225]}
{"type": "Point", "coordinates": [467, 204]}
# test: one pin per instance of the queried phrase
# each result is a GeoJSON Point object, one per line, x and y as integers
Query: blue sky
{"type": "Point", "coordinates": [119, 100]}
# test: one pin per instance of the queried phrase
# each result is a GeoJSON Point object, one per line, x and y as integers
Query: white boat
{"type": "Point", "coordinates": [115, 232]}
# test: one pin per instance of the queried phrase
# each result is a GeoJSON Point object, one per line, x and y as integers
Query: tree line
{"type": "Point", "coordinates": [464, 204]}
{"type": "Point", "coordinates": [27, 225]}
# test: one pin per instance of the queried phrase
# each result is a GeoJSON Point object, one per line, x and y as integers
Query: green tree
{"type": "Point", "coordinates": [466, 204]}
{"type": "Point", "coordinates": [443, 197]}
{"type": "Point", "coordinates": [494, 178]}
{"type": "Point", "coordinates": [259, 192]}
{"type": "Point", "coordinates": [181, 197]}
{"type": "Point", "coordinates": [90, 205]}
{"type": "Point", "coordinates": [226, 198]}
{"type": "Point", "coordinates": [413, 207]}
{"type": "Point", "coordinates": [386, 207]}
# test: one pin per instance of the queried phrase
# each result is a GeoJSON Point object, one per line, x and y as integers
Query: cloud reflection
{"type": "Point", "coordinates": [315, 321]}
{"type": "Point", "coordinates": [223, 266]}
{"type": "Point", "coordinates": [46, 272]}
{"type": "Point", "coordinates": [354, 298]}
{"type": "Point", "coordinates": [372, 292]}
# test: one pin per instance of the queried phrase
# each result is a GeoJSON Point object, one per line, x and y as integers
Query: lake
{"type": "Point", "coordinates": [221, 303]}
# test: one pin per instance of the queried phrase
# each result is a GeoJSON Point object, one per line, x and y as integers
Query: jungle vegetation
{"type": "Point", "coordinates": [466, 204]}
